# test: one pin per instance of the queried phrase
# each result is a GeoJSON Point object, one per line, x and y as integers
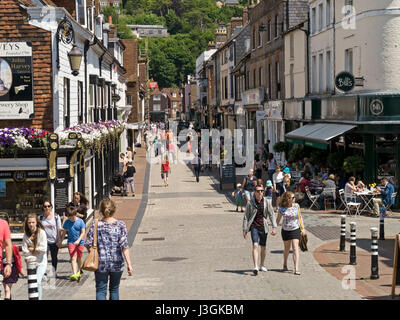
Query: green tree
{"type": "Point", "coordinates": [173, 22]}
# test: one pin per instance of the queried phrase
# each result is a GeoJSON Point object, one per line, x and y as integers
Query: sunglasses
{"type": "Point", "coordinates": [46, 206]}
{"type": "Point", "coordinates": [259, 190]}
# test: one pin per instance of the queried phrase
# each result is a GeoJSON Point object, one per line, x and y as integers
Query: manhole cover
{"type": "Point", "coordinates": [326, 232]}
{"type": "Point", "coordinates": [153, 239]}
{"type": "Point", "coordinates": [170, 259]}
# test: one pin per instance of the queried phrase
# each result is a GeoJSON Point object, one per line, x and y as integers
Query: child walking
{"type": "Point", "coordinates": [16, 270]}
{"type": "Point", "coordinates": [238, 195]}
{"type": "Point", "coordinates": [76, 233]}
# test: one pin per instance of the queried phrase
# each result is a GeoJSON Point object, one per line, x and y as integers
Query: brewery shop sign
{"type": "Point", "coordinates": [16, 80]}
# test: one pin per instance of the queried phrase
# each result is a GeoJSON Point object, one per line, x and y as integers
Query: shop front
{"type": "Point", "coordinates": [23, 186]}
{"type": "Point", "coordinates": [252, 102]}
{"type": "Point", "coordinates": [366, 124]}
{"type": "Point", "coordinates": [274, 128]}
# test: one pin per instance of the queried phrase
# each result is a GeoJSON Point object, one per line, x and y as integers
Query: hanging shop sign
{"type": "Point", "coordinates": [344, 81]}
{"type": "Point", "coordinates": [16, 80]}
{"type": "Point", "coordinates": [153, 85]}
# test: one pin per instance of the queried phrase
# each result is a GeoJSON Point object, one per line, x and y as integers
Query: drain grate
{"type": "Point", "coordinates": [153, 239]}
{"type": "Point", "coordinates": [326, 232]}
{"type": "Point", "coordinates": [170, 259]}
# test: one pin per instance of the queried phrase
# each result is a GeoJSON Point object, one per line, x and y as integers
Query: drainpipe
{"type": "Point", "coordinates": [88, 44]}
{"type": "Point", "coordinates": [307, 32]}
{"type": "Point", "coordinates": [287, 15]}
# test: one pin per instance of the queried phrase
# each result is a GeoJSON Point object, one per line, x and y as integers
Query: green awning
{"type": "Point", "coordinates": [317, 135]}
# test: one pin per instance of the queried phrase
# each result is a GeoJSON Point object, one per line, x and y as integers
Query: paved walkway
{"type": "Point", "coordinates": [188, 244]}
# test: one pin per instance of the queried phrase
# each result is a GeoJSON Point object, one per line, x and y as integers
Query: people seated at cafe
{"type": "Point", "coordinates": [350, 189]}
{"type": "Point", "coordinates": [340, 181]}
{"type": "Point", "coordinates": [328, 191]}
{"type": "Point", "coordinates": [304, 182]}
{"type": "Point", "coordinates": [386, 191]}
{"type": "Point", "coordinates": [308, 166]}
{"type": "Point", "coordinates": [324, 173]}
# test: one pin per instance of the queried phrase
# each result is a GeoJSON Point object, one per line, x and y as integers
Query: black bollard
{"type": "Point", "coordinates": [381, 227]}
{"type": "Point", "coordinates": [374, 254]}
{"type": "Point", "coordinates": [33, 293]}
{"type": "Point", "coordinates": [353, 243]}
{"type": "Point", "coordinates": [343, 233]}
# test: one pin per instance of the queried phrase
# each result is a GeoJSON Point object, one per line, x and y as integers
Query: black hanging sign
{"type": "Point", "coordinates": [344, 81]}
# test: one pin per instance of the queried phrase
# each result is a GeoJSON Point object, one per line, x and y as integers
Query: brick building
{"type": "Point", "coordinates": [42, 89]}
{"type": "Point", "coordinates": [174, 102]}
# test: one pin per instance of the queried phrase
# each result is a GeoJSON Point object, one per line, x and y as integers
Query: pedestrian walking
{"type": "Point", "coordinates": [292, 223]}
{"type": "Point", "coordinates": [239, 197]}
{"type": "Point", "coordinates": [129, 154]}
{"type": "Point", "coordinates": [255, 221]}
{"type": "Point", "coordinates": [277, 180]}
{"type": "Point", "coordinates": [129, 178]}
{"type": "Point", "coordinates": [52, 226]}
{"type": "Point", "coordinates": [258, 166]}
{"type": "Point", "coordinates": [113, 249]}
{"type": "Point", "coordinates": [189, 143]}
{"type": "Point", "coordinates": [6, 249]}
{"type": "Point", "coordinates": [271, 165]}
{"type": "Point", "coordinates": [75, 227]}
{"type": "Point", "coordinates": [268, 190]}
{"type": "Point", "coordinates": [249, 183]}
{"type": "Point", "coordinates": [34, 243]}
{"type": "Point", "coordinates": [165, 169]}
{"type": "Point", "coordinates": [196, 165]}
{"type": "Point", "coordinates": [81, 205]}
{"type": "Point", "coordinates": [16, 270]}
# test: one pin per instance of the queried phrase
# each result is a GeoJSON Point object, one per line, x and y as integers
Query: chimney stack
{"type": "Point", "coordinates": [245, 15]}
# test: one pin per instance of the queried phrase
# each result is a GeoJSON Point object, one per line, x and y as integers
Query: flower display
{"type": "Point", "coordinates": [95, 134]}
{"type": "Point", "coordinates": [21, 138]}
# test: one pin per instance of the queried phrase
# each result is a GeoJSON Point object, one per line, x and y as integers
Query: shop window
{"type": "Point", "coordinates": [80, 101]}
{"type": "Point", "coordinates": [386, 146]}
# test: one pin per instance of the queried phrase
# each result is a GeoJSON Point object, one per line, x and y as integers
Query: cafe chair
{"type": "Point", "coordinates": [331, 198]}
{"type": "Point", "coordinates": [349, 204]}
{"type": "Point", "coordinates": [392, 201]}
{"type": "Point", "coordinates": [313, 199]}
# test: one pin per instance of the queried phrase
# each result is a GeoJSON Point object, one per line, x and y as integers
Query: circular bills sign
{"type": "Point", "coordinates": [344, 81]}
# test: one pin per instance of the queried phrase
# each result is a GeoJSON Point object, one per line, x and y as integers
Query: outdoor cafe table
{"type": "Point", "coordinates": [367, 197]}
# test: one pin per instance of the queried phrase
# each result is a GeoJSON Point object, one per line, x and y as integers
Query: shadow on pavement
{"type": "Point", "coordinates": [385, 249]}
{"type": "Point", "coordinates": [241, 272]}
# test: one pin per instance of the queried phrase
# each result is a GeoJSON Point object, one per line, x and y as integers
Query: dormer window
{"type": "Point", "coordinates": [81, 11]}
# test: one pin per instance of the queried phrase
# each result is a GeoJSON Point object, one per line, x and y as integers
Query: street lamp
{"type": "Point", "coordinates": [65, 33]}
{"type": "Point", "coordinates": [75, 58]}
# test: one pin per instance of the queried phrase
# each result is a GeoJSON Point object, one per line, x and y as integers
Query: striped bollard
{"type": "Point", "coordinates": [382, 226]}
{"type": "Point", "coordinates": [343, 233]}
{"type": "Point", "coordinates": [33, 293]}
{"type": "Point", "coordinates": [353, 243]}
{"type": "Point", "coordinates": [374, 254]}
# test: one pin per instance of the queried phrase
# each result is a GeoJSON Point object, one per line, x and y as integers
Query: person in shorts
{"type": "Point", "coordinates": [292, 228]}
{"type": "Point", "coordinates": [76, 233]}
{"type": "Point", "coordinates": [255, 222]}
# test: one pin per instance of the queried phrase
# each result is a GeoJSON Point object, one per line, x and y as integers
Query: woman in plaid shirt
{"type": "Point", "coordinates": [113, 247]}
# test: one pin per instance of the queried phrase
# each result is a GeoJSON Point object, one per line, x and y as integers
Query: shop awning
{"type": "Point", "coordinates": [317, 135]}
